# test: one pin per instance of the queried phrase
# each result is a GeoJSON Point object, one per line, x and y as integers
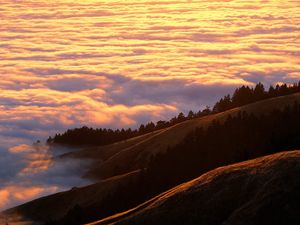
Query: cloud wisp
{"type": "Point", "coordinates": [32, 171]}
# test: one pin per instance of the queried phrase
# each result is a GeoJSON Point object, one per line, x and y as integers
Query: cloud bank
{"type": "Point", "coordinates": [32, 171]}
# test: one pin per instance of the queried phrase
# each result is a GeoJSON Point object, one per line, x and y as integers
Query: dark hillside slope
{"type": "Point", "coordinates": [138, 155]}
{"type": "Point", "coordinates": [260, 191]}
{"type": "Point", "coordinates": [243, 95]}
{"type": "Point", "coordinates": [58, 205]}
{"type": "Point", "coordinates": [172, 156]}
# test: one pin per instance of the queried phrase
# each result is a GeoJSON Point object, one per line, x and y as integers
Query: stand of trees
{"type": "Point", "coordinates": [86, 136]}
{"type": "Point", "coordinates": [242, 137]}
{"type": "Point", "coordinates": [246, 95]}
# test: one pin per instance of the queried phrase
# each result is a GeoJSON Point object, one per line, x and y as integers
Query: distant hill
{"type": "Point", "coordinates": [132, 154]}
{"type": "Point", "coordinates": [120, 167]}
{"type": "Point", "coordinates": [135, 170]}
{"type": "Point", "coordinates": [260, 191]}
{"type": "Point", "coordinates": [87, 136]}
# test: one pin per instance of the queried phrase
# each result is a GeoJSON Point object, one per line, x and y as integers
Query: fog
{"type": "Point", "coordinates": [29, 171]}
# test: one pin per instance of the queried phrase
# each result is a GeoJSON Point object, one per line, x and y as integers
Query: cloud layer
{"type": "Point", "coordinates": [114, 63]}
{"type": "Point", "coordinates": [31, 171]}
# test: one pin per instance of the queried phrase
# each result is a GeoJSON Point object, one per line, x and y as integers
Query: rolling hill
{"type": "Point", "coordinates": [135, 153]}
{"type": "Point", "coordinates": [121, 165]}
{"type": "Point", "coordinates": [265, 191]}
{"type": "Point", "coordinates": [56, 206]}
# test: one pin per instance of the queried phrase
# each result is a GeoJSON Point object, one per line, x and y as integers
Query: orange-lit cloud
{"type": "Point", "coordinates": [11, 194]}
{"type": "Point", "coordinates": [36, 158]}
{"type": "Point", "coordinates": [31, 171]}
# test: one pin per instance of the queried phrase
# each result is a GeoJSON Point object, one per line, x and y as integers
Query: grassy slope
{"type": "Point", "coordinates": [57, 205]}
{"type": "Point", "coordinates": [137, 153]}
{"type": "Point", "coordinates": [131, 155]}
{"type": "Point", "coordinates": [265, 190]}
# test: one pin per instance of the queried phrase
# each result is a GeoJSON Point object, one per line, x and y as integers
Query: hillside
{"type": "Point", "coordinates": [135, 153]}
{"type": "Point", "coordinates": [260, 191]}
{"type": "Point", "coordinates": [123, 181]}
{"type": "Point", "coordinates": [89, 136]}
{"type": "Point", "coordinates": [58, 205]}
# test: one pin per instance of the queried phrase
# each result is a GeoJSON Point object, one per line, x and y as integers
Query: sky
{"type": "Point", "coordinates": [113, 63]}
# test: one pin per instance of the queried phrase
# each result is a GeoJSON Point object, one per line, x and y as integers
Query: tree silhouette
{"type": "Point", "coordinates": [86, 136]}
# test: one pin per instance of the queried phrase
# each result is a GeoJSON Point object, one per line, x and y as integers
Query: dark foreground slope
{"type": "Point", "coordinates": [260, 191]}
{"type": "Point", "coordinates": [56, 206]}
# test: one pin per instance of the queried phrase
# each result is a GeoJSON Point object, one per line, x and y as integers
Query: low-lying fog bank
{"type": "Point", "coordinates": [30, 171]}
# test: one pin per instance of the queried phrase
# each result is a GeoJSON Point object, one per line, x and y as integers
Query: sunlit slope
{"type": "Point", "coordinates": [134, 154]}
{"type": "Point", "coordinates": [265, 190]}
{"type": "Point", "coordinates": [58, 205]}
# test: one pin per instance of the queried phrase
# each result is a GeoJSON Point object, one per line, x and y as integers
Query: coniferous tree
{"type": "Point", "coordinates": [242, 96]}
